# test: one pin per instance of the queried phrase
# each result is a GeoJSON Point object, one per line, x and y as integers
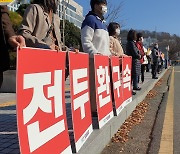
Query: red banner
{"type": "Point", "coordinates": [103, 89]}
{"type": "Point", "coordinates": [80, 101]}
{"type": "Point", "coordinates": [126, 79]}
{"type": "Point", "coordinates": [41, 114]}
{"type": "Point", "coordinates": [116, 82]}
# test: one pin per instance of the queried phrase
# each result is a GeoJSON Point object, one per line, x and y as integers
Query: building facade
{"type": "Point", "coordinates": [71, 11]}
{"type": "Point", "coordinates": [67, 9]}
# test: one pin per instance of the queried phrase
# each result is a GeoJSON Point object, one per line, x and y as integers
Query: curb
{"type": "Point", "coordinates": [101, 137]}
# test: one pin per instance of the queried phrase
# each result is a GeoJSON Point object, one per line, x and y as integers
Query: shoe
{"type": "Point", "coordinates": [154, 77]}
{"type": "Point", "coordinates": [133, 93]}
{"type": "Point", "coordinates": [138, 88]}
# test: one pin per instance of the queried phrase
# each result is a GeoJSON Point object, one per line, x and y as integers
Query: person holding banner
{"type": "Point", "coordinates": [41, 25]}
{"type": "Point", "coordinates": [8, 38]}
{"type": "Point", "coordinates": [115, 44]}
{"type": "Point", "coordinates": [132, 50]}
{"type": "Point", "coordinates": [95, 40]}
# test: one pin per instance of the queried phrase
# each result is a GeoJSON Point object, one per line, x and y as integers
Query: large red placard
{"type": "Point", "coordinates": [80, 101]}
{"type": "Point", "coordinates": [103, 89]}
{"type": "Point", "coordinates": [41, 114]}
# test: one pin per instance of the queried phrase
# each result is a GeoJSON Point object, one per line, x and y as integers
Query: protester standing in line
{"type": "Point", "coordinates": [139, 44]}
{"type": "Point", "coordinates": [132, 50]}
{"type": "Point", "coordinates": [148, 55]}
{"type": "Point", "coordinates": [155, 56]}
{"type": "Point", "coordinates": [95, 40]}
{"type": "Point", "coordinates": [8, 39]}
{"type": "Point", "coordinates": [159, 69]}
{"type": "Point", "coordinates": [115, 43]}
{"type": "Point", "coordinates": [41, 25]}
{"type": "Point", "coordinates": [145, 57]}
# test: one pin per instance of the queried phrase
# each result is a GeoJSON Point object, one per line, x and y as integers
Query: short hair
{"type": "Point", "coordinates": [93, 2]}
{"type": "Point", "coordinates": [112, 28]}
{"type": "Point", "coordinates": [131, 35]}
{"type": "Point", "coordinates": [47, 5]}
{"type": "Point", "coordinates": [139, 35]}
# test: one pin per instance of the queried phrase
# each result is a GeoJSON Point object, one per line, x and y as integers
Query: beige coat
{"type": "Point", "coordinates": [115, 47]}
{"type": "Point", "coordinates": [35, 26]}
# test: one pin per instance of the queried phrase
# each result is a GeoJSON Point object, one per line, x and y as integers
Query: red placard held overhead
{"type": "Point", "coordinates": [103, 89]}
{"type": "Point", "coordinates": [41, 114]}
{"type": "Point", "coordinates": [80, 101]}
{"type": "Point", "coordinates": [116, 82]}
{"type": "Point", "coordinates": [126, 79]}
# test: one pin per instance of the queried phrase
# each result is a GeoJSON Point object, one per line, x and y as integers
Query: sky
{"type": "Point", "coordinates": [152, 15]}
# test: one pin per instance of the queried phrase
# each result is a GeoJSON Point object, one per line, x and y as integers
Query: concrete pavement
{"type": "Point", "coordinates": [97, 141]}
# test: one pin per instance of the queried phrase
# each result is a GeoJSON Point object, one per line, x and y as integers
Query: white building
{"type": "Point", "coordinates": [73, 11]}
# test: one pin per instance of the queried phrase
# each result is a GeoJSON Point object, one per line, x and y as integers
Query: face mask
{"type": "Point", "coordinates": [118, 31]}
{"type": "Point", "coordinates": [104, 10]}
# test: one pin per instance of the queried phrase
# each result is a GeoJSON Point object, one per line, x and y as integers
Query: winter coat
{"type": "Point", "coordinates": [94, 35]}
{"type": "Point", "coordinates": [155, 55]}
{"type": "Point", "coordinates": [35, 26]}
{"type": "Point", "coordinates": [115, 46]}
{"type": "Point", "coordinates": [132, 50]}
{"type": "Point", "coordinates": [6, 31]}
{"type": "Point", "coordinates": [141, 49]}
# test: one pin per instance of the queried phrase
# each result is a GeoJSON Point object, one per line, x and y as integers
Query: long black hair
{"type": "Point", "coordinates": [48, 5]}
{"type": "Point", "coordinates": [132, 35]}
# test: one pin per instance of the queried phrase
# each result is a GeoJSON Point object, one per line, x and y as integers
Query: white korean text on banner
{"type": "Point", "coordinates": [80, 100]}
{"type": "Point", "coordinates": [103, 89]}
{"type": "Point", "coordinates": [116, 82]}
{"type": "Point", "coordinates": [126, 79]}
{"type": "Point", "coordinates": [41, 114]}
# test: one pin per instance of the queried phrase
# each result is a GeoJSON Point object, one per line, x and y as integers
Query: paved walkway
{"type": "Point", "coordinates": [8, 127]}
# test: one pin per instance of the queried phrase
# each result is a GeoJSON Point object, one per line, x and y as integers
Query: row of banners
{"type": "Point", "coordinates": [41, 112]}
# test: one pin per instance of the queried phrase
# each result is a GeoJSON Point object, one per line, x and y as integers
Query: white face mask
{"type": "Point", "coordinates": [104, 10]}
{"type": "Point", "coordinates": [117, 31]}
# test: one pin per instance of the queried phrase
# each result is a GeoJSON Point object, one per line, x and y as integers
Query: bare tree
{"type": "Point", "coordinates": [115, 12]}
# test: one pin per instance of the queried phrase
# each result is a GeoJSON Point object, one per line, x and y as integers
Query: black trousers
{"type": "Point", "coordinates": [142, 72]}
{"type": "Point", "coordinates": [154, 69]}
